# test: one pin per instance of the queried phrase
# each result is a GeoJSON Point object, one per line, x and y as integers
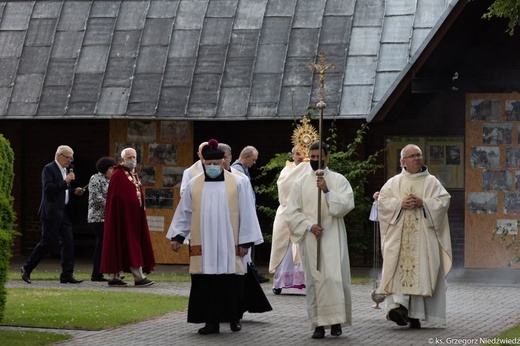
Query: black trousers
{"type": "Point", "coordinates": [52, 231]}
{"type": "Point", "coordinates": [215, 298]}
{"type": "Point", "coordinates": [97, 228]}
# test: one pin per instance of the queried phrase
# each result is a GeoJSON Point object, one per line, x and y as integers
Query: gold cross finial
{"type": "Point", "coordinates": [305, 120]}
{"type": "Point", "coordinates": [321, 67]}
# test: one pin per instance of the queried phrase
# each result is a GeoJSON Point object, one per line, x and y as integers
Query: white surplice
{"type": "Point", "coordinates": [217, 239]}
{"type": "Point", "coordinates": [329, 299]}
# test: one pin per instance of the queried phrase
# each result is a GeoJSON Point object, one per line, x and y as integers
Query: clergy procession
{"type": "Point", "coordinates": [216, 219]}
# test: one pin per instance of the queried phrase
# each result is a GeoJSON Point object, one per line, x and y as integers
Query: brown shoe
{"type": "Point", "coordinates": [399, 315]}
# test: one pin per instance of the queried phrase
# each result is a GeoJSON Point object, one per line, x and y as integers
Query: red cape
{"type": "Point", "coordinates": [126, 240]}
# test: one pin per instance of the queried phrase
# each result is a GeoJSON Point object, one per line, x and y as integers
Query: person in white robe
{"type": "Point", "coordinates": [285, 261]}
{"type": "Point", "coordinates": [217, 213]}
{"type": "Point", "coordinates": [415, 243]}
{"type": "Point", "coordinates": [328, 288]}
{"type": "Point", "coordinates": [193, 170]}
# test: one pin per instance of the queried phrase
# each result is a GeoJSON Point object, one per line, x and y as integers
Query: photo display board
{"type": "Point", "coordinates": [492, 177]}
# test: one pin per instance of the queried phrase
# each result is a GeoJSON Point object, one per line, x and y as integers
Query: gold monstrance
{"type": "Point", "coordinates": [303, 136]}
{"type": "Point", "coordinates": [321, 67]}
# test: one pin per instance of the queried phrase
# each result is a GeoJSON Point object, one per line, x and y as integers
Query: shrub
{"type": "Point", "coordinates": [7, 216]}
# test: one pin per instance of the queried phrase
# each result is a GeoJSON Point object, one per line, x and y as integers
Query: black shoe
{"type": "Point", "coordinates": [414, 323]}
{"type": "Point", "coordinates": [144, 282]}
{"type": "Point", "coordinates": [335, 330]}
{"type": "Point", "coordinates": [277, 291]}
{"type": "Point", "coordinates": [26, 276]}
{"type": "Point", "coordinates": [235, 326]}
{"type": "Point", "coordinates": [117, 282]}
{"type": "Point", "coordinates": [319, 333]}
{"type": "Point", "coordinates": [261, 279]}
{"type": "Point", "coordinates": [99, 279]}
{"type": "Point", "coordinates": [399, 315]}
{"type": "Point", "coordinates": [210, 328]}
{"type": "Point", "coordinates": [70, 280]}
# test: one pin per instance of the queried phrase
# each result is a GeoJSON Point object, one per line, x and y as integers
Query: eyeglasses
{"type": "Point", "coordinates": [70, 158]}
{"type": "Point", "coordinates": [414, 156]}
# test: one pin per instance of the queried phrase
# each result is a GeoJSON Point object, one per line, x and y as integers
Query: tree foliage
{"type": "Point", "coordinates": [507, 9]}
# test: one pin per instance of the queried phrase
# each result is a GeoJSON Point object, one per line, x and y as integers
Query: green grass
{"type": "Point", "coordinates": [84, 309]}
{"type": "Point", "coordinates": [507, 337]}
{"type": "Point", "coordinates": [30, 338]}
{"type": "Point", "coordinates": [77, 309]}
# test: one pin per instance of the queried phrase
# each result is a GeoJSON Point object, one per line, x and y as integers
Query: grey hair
{"type": "Point", "coordinates": [409, 146]}
{"type": "Point", "coordinates": [247, 151]}
{"type": "Point", "coordinates": [63, 149]}
{"type": "Point", "coordinates": [124, 151]}
{"type": "Point", "coordinates": [224, 147]}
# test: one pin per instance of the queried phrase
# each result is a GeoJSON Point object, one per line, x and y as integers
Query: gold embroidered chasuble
{"type": "Point", "coordinates": [414, 242]}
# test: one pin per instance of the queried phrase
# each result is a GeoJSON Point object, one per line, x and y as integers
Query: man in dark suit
{"type": "Point", "coordinates": [54, 215]}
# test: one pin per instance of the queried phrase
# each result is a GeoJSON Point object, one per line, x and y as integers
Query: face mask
{"type": "Point", "coordinates": [213, 171]}
{"type": "Point", "coordinates": [314, 165]}
{"type": "Point", "coordinates": [130, 164]}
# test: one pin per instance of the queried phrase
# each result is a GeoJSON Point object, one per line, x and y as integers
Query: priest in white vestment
{"type": "Point", "coordinates": [193, 170]}
{"type": "Point", "coordinates": [415, 243]}
{"type": "Point", "coordinates": [329, 301]}
{"type": "Point", "coordinates": [216, 211]}
{"type": "Point", "coordinates": [285, 261]}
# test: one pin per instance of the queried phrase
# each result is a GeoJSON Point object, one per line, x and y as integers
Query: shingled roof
{"type": "Point", "coordinates": [205, 59]}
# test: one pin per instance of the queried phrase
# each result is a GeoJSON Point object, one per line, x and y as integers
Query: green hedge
{"type": "Point", "coordinates": [7, 216]}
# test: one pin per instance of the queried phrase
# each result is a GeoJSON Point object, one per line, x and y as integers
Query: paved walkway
{"type": "Point", "coordinates": [481, 303]}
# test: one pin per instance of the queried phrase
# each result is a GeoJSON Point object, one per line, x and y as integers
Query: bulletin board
{"type": "Point", "coordinates": [492, 176]}
{"type": "Point", "coordinates": [442, 155]}
{"type": "Point", "coordinates": [164, 149]}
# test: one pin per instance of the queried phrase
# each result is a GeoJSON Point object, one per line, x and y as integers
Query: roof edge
{"type": "Point", "coordinates": [445, 22]}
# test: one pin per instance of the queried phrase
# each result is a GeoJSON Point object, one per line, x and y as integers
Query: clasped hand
{"type": "Point", "coordinates": [411, 202]}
